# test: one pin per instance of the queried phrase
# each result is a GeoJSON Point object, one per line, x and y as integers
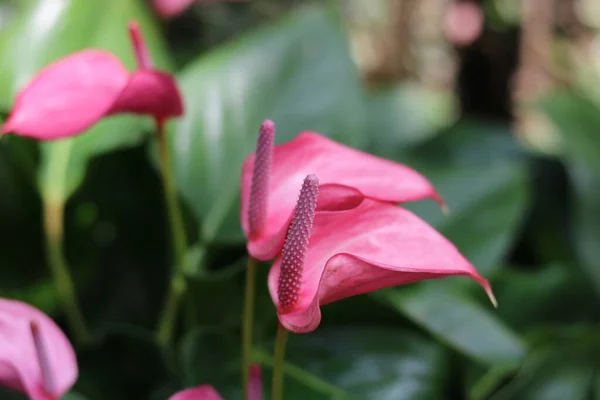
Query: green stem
{"type": "Point", "coordinates": [305, 377]}
{"type": "Point", "coordinates": [177, 286]}
{"type": "Point", "coordinates": [278, 363]}
{"type": "Point", "coordinates": [248, 322]}
{"type": "Point", "coordinates": [53, 226]}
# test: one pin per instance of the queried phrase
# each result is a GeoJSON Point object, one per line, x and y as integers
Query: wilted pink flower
{"type": "Point", "coordinates": [36, 357]}
{"type": "Point", "coordinates": [331, 255]}
{"type": "Point", "coordinates": [271, 176]}
{"type": "Point", "coordinates": [207, 392]}
{"type": "Point", "coordinates": [72, 94]}
{"type": "Point", "coordinates": [172, 8]}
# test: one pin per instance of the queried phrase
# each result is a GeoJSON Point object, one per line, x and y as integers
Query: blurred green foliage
{"type": "Point", "coordinates": [529, 222]}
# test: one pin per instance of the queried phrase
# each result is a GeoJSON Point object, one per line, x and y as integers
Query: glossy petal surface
{"type": "Point", "coordinates": [19, 366]}
{"type": "Point", "coordinates": [370, 247]}
{"type": "Point", "coordinates": [68, 96]}
{"type": "Point", "coordinates": [150, 92]}
{"type": "Point", "coordinates": [333, 163]}
{"type": "Point", "coordinates": [204, 392]}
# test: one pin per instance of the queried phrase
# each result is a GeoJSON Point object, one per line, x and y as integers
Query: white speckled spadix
{"type": "Point", "coordinates": [296, 243]}
{"type": "Point", "coordinates": [257, 210]}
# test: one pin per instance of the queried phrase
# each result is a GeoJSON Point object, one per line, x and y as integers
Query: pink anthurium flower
{"type": "Point", "coordinates": [172, 8]}
{"type": "Point", "coordinates": [207, 392]}
{"type": "Point", "coordinates": [72, 94]}
{"type": "Point", "coordinates": [331, 255]}
{"type": "Point", "coordinates": [36, 357]}
{"type": "Point", "coordinates": [270, 176]}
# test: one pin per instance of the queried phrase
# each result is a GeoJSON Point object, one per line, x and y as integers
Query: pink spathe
{"type": "Point", "coordinates": [207, 392]}
{"type": "Point", "coordinates": [72, 94]}
{"type": "Point", "coordinates": [363, 249]}
{"type": "Point", "coordinates": [333, 163]}
{"type": "Point", "coordinates": [204, 392]}
{"type": "Point", "coordinates": [172, 8]}
{"type": "Point", "coordinates": [36, 357]}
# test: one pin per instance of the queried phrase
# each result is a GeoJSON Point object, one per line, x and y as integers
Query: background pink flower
{"type": "Point", "coordinates": [44, 368]}
{"type": "Point", "coordinates": [72, 94]}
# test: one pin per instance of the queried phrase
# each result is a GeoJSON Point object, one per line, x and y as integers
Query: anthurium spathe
{"type": "Point", "coordinates": [36, 357]}
{"type": "Point", "coordinates": [207, 392]}
{"type": "Point", "coordinates": [331, 255]}
{"type": "Point", "coordinates": [271, 176]}
{"type": "Point", "coordinates": [72, 94]}
{"type": "Point", "coordinates": [172, 8]}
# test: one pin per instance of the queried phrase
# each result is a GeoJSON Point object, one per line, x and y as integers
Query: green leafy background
{"type": "Point", "coordinates": [434, 340]}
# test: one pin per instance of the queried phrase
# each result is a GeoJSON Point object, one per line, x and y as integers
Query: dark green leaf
{"type": "Point", "coordinates": [484, 182]}
{"type": "Point", "coordinates": [123, 364]}
{"type": "Point", "coordinates": [373, 363]}
{"type": "Point", "coordinates": [458, 321]}
{"type": "Point", "coordinates": [297, 72]}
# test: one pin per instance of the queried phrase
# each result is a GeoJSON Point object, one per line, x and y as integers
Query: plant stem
{"type": "Point", "coordinates": [278, 363]}
{"type": "Point", "coordinates": [53, 226]}
{"type": "Point", "coordinates": [179, 242]}
{"type": "Point", "coordinates": [248, 322]}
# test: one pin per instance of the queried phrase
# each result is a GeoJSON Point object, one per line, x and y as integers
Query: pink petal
{"type": "Point", "coordinates": [171, 8]}
{"type": "Point", "coordinates": [150, 92]}
{"type": "Point", "coordinates": [311, 153]}
{"type": "Point", "coordinates": [68, 96]}
{"type": "Point", "coordinates": [332, 197]}
{"type": "Point", "coordinates": [19, 367]}
{"type": "Point", "coordinates": [370, 247]}
{"type": "Point", "coordinates": [204, 392]}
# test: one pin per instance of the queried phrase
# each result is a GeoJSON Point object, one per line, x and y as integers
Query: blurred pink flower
{"type": "Point", "coordinates": [207, 392]}
{"type": "Point", "coordinates": [172, 8]}
{"type": "Point", "coordinates": [72, 94]}
{"type": "Point", "coordinates": [36, 357]}
{"type": "Point", "coordinates": [271, 176]}
{"type": "Point", "coordinates": [463, 23]}
{"type": "Point", "coordinates": [331, 255]}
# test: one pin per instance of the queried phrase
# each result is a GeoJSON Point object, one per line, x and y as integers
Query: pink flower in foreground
{"type": "Point", "coordinates": [271, 176]}
{"type": "Point", "coordinates": [207, 392]}
{"type": "Point", "coordinates": [172, 8]}
{"type": "Point", "coordinates": [72, 94]}
{"type": "Point", "coordinates": [36, 357]}
{"type": "Point", "coordinates": [331, 255]}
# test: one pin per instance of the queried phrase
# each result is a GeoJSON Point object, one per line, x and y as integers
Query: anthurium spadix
{"type": "Point", "coordinates": [36, 357]}
{"type": "Point", "coordinates": [271, 176]}
{"type": "Point", "coordinates": [360, 247]}
{"type": "Point", "coordinates": [72, 94]}
{"type": "Point", "coordinates": [207, 392]}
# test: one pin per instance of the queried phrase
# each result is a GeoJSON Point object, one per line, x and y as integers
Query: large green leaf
{"type": "Point", "coordinates": [297, 72]}
{"type": "Point", "coordinates": [458, 321]}
{"type": "Point", "coordinates": [551, 374]}
{"type": "Point", "coordinates": [56, 29]}
{"type": "Point", "coordinates": [405, 115]}
{"type": "Point", "coordinates": [478, 170]}
{"type": "Point", "coordinates": [373, 363]}
{"type": "Point", "coordinates": [578, 123]}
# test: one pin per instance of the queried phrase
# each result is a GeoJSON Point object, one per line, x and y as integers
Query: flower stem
{"type": "Point", "coordinates": [53, 226]}
{"type": "Point", "coordinates": [278, 363]}
{"type": "Point", "coordinates": [248, 322]}
{"type": "Point", "coordinates": [177, 286]}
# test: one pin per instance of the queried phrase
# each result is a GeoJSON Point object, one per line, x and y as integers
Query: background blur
{"type": "Point", "coordinates": [496, 101]}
